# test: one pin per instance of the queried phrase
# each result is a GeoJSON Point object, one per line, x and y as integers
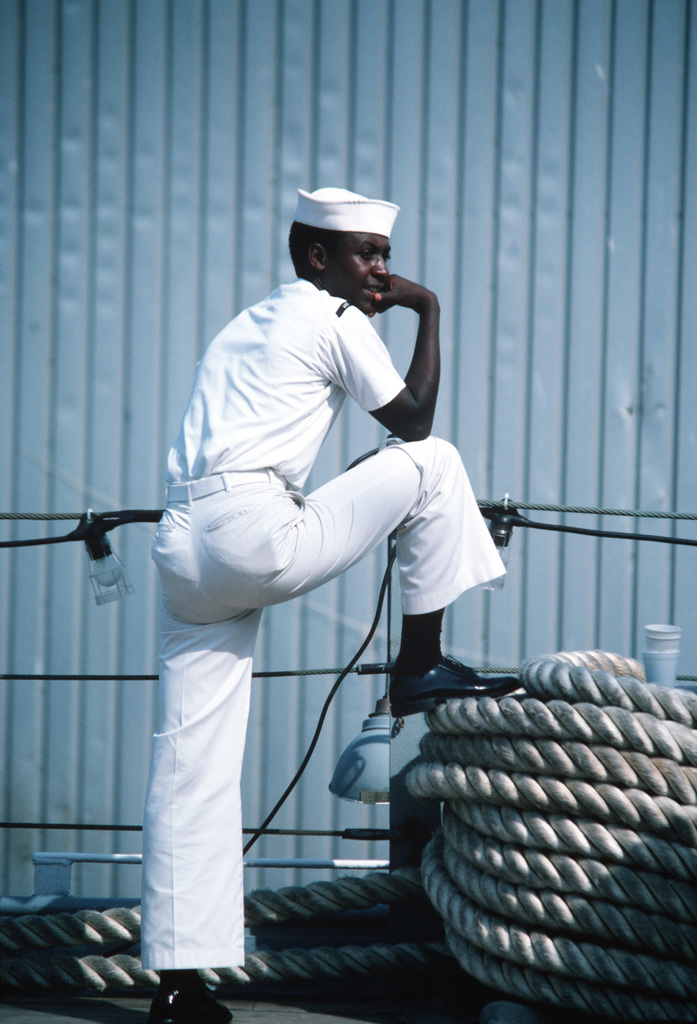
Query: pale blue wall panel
{"type": "Point", "coordinates": [258, 155]}
{"type": "Point", "coordinates": [474, 286]}
{"type": "Point", "coordinates": [543, 458]}
{"type": "Point", "coordinates": [333, 98]}
{"type": "Point", "coordinates": [103, 479]}
{"type": "Point", "coordinates": [11, 55]}
{"type": "Point", "coordinates": [142, 47]}
{"type": "Point", "coordinates": [26, 576]}
{"type": "Point", "coordinates": [585, 330]}
{"type": "Point", "coordinates": [626, 184]}
{"type": "Point", "coordinates": [510, 340]}
{"type": "Point", "coordinates": [659, 354]}
{"type": "Point", "coordinates": [407, 141]}
{"type": "Point", "coordinates": [68, 378]}
{"type": "Point", "coordinates": [684, 594]}
{"type": "Point", "coordinates": [218, 270]}
{"type": "Point", "coordinates": [371, 72]}
{"type": "Point", "coordinates": [476, 142]}
{"type": "Point", "coordinates": [183, 186]}
{"type": "Point", "coordinates": [442, 180]}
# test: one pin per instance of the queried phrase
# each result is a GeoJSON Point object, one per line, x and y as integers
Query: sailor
{"type": "Point", "coordinates": [239, 534]}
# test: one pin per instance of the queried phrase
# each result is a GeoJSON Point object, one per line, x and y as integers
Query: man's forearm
{"type": "Point", "coordinates": [410, 414]}
{"type": "Point", "coordinates": [423, 376]}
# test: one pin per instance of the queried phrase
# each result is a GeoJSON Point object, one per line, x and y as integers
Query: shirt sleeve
{"type": "Point", "coordinates": [355, 358]}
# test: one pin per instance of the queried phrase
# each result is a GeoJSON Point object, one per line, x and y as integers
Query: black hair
{"type": "Point", "coordinates": [302, 236]}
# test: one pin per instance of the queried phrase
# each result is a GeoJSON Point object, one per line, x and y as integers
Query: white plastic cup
{"type": "Point", "coordinates": [662, 638]}
{"type": "Point", "coordinates": [661, 666]}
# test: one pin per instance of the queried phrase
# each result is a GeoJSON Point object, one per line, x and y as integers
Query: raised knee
{"type": "Point", "coordinates": [436, 460]}
{"type": "Point", "coordinates": [433, 450]}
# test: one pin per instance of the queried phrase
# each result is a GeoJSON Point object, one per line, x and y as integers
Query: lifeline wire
{"type": "Point", "coordinates": [584, 510]}
{"type": "Point", "coordinates": [482, 502]}
{"type": "Point", "coordinates": [89, 525]}
{"type": "Point", "coordinates": [109, 520]}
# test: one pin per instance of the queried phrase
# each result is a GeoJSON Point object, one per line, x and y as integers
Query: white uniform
{"type": "Point", "coordinates": [237, 536]}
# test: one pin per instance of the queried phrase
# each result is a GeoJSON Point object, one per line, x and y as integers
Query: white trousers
{"type": "Point", "coordinates": [222, 558]}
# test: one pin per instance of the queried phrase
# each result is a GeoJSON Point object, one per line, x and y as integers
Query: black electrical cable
{"type": "Point", "coordinates": [323, 714]}
{"type": "Point", "coordinates": [590, 532]}
{"type": "Point", "coordinates": [35, 541]}
{"type": "Point", "coordinates": [92, 525]}
{"type": "Point", "coordinates": [334, 833]}
{"type": "Point", "coordinates": [512, 517]}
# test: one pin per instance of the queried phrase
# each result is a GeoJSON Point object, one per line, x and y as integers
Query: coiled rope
{"type": "Point", "coordinates": [125, 972]}
{"type": "Point", "coordinates": [264, 906]}
{"type": "Point", "coordinates": [566, 867]}
{"type": "Point", "coordinates": [120, 925]}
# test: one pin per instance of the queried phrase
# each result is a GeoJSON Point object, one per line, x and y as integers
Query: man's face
{"type": "Point", "coordinates": [358, 270]}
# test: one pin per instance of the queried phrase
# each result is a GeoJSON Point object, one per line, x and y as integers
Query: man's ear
{"type": "Point", "coordinates": [317, 257]}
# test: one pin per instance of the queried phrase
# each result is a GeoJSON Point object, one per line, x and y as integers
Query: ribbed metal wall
{"type": "Point", "coordinates": [544, 154]}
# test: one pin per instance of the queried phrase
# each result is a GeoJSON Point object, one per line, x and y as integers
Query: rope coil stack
{"type": "Point", "coordinates": [566, 867]}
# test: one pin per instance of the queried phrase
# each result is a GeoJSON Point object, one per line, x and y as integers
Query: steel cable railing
{"type": "Point", "coordinates": [99, 523]}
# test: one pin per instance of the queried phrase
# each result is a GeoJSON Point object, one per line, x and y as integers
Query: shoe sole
{"type": "Point", "coordinates": [509, 685]}
{"type": "Point", "coordinates": [413, 708]}
{"type": "Point", "coordinates": [172, 1020]}
{"type": "Point", "coordinates": [177, 1020]}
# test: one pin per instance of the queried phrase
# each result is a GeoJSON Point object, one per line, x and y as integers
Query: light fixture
{"type": "Point", "coordinates": [107, 574]}
{"type": "Point", "coordinates": [362, 773]}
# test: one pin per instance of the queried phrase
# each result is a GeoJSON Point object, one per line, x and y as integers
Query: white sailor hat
{"type": "Point", "coordinates": [335, 209]}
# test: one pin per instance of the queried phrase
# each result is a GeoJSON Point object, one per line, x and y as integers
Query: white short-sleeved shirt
{"type": "Point", "coordinates": [271, 384]}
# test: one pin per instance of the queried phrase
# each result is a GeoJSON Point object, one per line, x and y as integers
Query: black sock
{"type": "Point", "coordinates": [420, 649]}
{"type": "Point", "coordinates": [180, 981]}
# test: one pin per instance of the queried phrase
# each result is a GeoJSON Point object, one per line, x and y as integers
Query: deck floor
{"type": "Point", "coordinates": [286, 1009]}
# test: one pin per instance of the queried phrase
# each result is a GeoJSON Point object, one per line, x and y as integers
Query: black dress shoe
{"type": "Point", "coordinates": [183, 1007]}
{"type": "Point", "coordinates": [412, 693]}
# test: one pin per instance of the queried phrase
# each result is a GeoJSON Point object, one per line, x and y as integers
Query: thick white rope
{"type": "Point", "coordinates": [328, 962]}
{"type": "Point", "coordinates": [626, 979]}
{"type": "Point", "coordinates": [569, 759]}
{"type": "Point", "coordinates": [559, 873]}
{"type": "Point", "coordinates": [19, 973]}
{"type": "Point", "coordinates": [654, 931]}
{"type": "Point", "coordinates": [544, 987]}
{"type": "Point", "coordinates": [125, 972]}
{"type": "Point", "coordinates": [266, 906]}
{"type": "Point", "coordinates": [566, 868]}
{"type": "Point", "coordinates": [36, 931]}
{"type": "Point", "coordinates": [348, 893]}
{"type": "Point", "coordinates": [603, 801]}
